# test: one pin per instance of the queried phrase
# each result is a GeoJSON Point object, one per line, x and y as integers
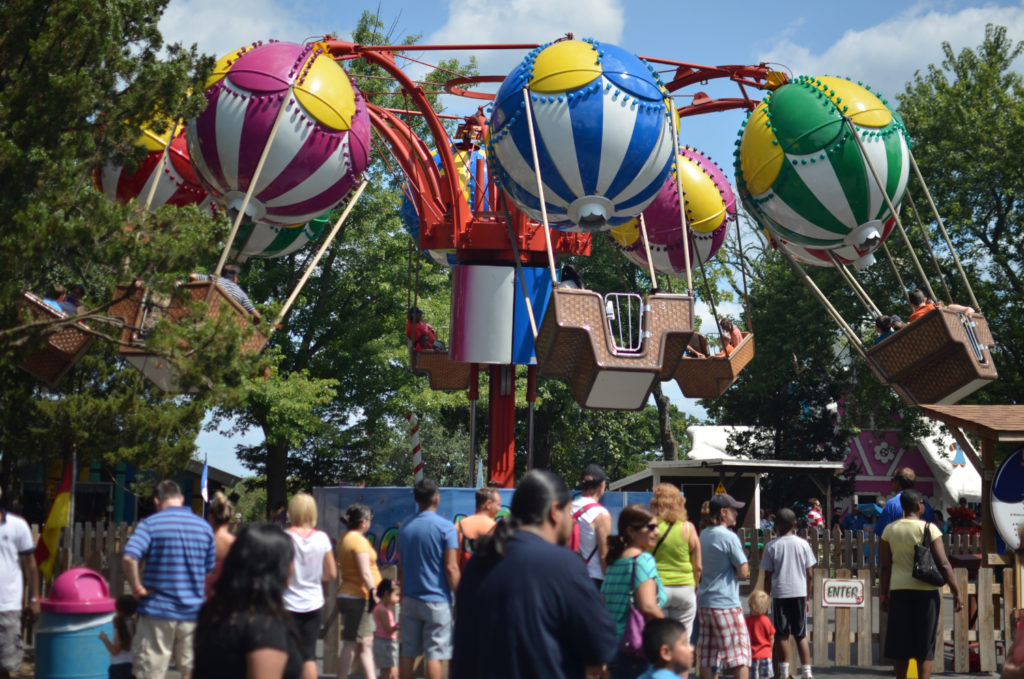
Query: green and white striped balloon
{"type": "Point", "coordinates": [801, 172]}
{"type": "Point", "coordinates": [266, 241]}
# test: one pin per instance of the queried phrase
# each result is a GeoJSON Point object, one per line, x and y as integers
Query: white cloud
{"type": "Point", "coordinates": [218, 26]}
{"type": "Point", "coordinates": [886, 56]}
{"type": "Point", "coordinates": [526, 21]}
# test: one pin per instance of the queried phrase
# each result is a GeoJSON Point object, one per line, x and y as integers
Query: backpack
{"type": "Point", "coordinates": [574, 539]}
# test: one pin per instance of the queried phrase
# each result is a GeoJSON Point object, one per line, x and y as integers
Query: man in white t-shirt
{"type": "Point", "coordinates": [594, 521]}
{"type": "Point", "coordinates": [17, 561]}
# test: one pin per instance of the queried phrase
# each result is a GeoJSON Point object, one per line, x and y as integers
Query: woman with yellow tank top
{"type": "Point", "coordinates": [677, 555]}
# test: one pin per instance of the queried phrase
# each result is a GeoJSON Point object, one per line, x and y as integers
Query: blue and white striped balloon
{"type": "Point", "coordinates": [604, 137]}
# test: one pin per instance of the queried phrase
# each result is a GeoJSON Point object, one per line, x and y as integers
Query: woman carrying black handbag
{"type": "Point", "coordinates": [913, 603]}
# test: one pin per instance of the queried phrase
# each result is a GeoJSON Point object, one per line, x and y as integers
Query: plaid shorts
{"type": "Point", "coordinates": [761, 668]}
{"type": "Point", "coordinates": [723, 640]}
{"type": "Point", "coordinates": [11, 651]}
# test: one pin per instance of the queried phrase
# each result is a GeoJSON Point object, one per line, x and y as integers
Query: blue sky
{"type": "Point", "coordinates": [879, 42]}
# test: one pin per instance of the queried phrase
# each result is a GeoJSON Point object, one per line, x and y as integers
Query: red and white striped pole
{"type": "Point", "coordinates": [414, 443]}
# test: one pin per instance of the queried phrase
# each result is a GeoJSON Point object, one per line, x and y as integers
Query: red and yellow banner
{"type": "Point", "coordinates": [46, 548]}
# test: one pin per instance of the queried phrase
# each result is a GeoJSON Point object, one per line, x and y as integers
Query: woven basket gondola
{"type": "Point", "coordinates": [60, 350]}
{"type": "Point", "coordinates": [575, 344]}
{"type": "Point", "coordinates": [710, 377]}
{"type": "Point", "coordinates": [932, 361]}
{"type": "Point", "coordinates": [444, 373]}
{"type": "Point", "coordinates": [141, 311]}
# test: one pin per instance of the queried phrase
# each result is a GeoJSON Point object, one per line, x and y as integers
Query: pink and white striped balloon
{"type": "Point", "coordinates": [320, 148]}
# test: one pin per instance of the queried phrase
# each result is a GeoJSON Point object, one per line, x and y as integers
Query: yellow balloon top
{"type": "Point", "coordinates": [861, 105]}
{"type": "Point", "coordinates": [325, 91]}
{"type": "Point", "coordinates": [705, 208]}
{"type": "Point", "coordinates": [565, 66]}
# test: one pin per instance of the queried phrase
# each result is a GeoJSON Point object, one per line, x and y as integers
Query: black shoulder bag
{"type": "Point", "coordinates": [667, 531]}
{"type": "Point", "coordinates": [925, 569]}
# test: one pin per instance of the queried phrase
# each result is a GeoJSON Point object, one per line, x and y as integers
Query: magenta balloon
{"type": "Point", "coordinates": [664, 230]}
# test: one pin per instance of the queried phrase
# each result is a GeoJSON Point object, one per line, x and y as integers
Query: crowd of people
{"type": "Point", "coordinates": [548, 591]}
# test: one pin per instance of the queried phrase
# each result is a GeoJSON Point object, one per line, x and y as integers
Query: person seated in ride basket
{"type": "Point", "coordinates": [229, 282]}
{"type": "Point", "coordinates": [731, 337]}
{"type": "Point", "coordinates": [920, 305]}
{"type": "Point", "coordinates": [883, 326]}
{"type": "Point", "coordinates": [421, 333]}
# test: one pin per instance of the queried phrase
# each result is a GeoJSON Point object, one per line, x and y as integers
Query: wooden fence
{"type": "Point", "coordinates": [840, 637]}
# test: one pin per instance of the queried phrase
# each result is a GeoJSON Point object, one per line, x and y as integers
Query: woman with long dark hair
{"type": "Point", "coordinates": [220, 514]}
{"type": "Point", "coordinates": [360, 576]}
{"type": "Point", "coordinates": [525, 605]}
{"type": "Point", "coordinates": [243, 631]}
{"type": "Point", "coordinates": [632, 577]}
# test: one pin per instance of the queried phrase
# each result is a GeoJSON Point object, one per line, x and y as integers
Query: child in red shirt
{"type": "Point", "coordinates": [761, 630]}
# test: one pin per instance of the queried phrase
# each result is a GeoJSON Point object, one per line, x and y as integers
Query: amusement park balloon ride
{"type": "Point", "coordinates": [582, 137]}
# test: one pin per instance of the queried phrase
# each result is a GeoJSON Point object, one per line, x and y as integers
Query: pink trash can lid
{"type": "Point", "coordinates": [79, 590]}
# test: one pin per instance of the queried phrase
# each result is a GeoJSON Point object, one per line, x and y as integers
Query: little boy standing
{"type": "Point", "coordinates": [787, 563]}
{"type": "Point", "coordinates": [761, 631]}
{"type": "Point", "coordinates": [667, 649]}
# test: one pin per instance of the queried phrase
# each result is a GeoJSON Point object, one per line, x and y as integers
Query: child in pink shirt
{"type": "Point", "coordinates": [385, 637]}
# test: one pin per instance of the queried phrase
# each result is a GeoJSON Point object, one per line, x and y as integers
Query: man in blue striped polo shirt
{"type": "Point", "coordinates": [178, 549]}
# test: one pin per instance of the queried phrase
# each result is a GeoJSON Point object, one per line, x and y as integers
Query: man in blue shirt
{"type": "Point", "coordinates": [723, 641]}
{"type": "Point", "coordinates": [902, 480]}
{"type": "Point", "coordinates": [854, 520]}
{"type": "Point", "coordinates": [428, 565]}
{"type": "Point", "coordinates": [178, 549]}
{"type": "Point", "coordinates": [526, 605]}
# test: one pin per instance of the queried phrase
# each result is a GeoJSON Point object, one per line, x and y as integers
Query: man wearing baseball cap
{"type": "Point", "coordinates": [723, 642]}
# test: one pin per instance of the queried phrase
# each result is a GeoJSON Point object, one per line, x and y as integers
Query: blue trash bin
{"type": "Point", "coordinates": [68, 646]}
{"type": "Point", "coordinates": [68, 642]}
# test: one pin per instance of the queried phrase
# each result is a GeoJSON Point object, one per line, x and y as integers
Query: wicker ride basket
{"type": "Point", "coordinates": [444, 373]}
{"type": "Point", "coordinates": [939, 358]}
{"type": "Point", "coordinates": [710, 377]}
{"type": "Point", "coordinates": [141, 309]}
{"type": "Point", "coordinates": [575, 344]}
{"type": "Point", "coordinates": [61, 348]}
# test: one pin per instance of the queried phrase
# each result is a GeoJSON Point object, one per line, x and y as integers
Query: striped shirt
{"type": "Point", "coordinates": [178, 549]}
{"type": "Point", "coordinates": [618, 590]}
{"type": "Point", "coordinates": [233, 289]}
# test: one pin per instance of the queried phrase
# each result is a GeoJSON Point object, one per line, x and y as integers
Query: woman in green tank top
{"type": "Point", "coordinates": [677, 554]}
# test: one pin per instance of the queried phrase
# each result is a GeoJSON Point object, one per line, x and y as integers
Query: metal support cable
{"type": "Point", "coordinates": [928, 244]}
{"type": "Point", "coordinates": [711, 303]}
{"type": "Point", "coordinates": [540, 186]}
{"type": "Point", "coordinates": [888, 203]}
{"type": "Point", "coordinates": [942, 228]}
{"type": "Point", "coordinates": [682, 199]}
{"type": "Point", "coordinates": [895, 271]}
{"type": "Point", "coordinates": [855, 286]}
{"type": "Point", "coordinates": [647, 249]}
{"type": "Point", "coordinates": [519, 269]}
{"type": "Point", "coordinates": [743, 274]}
{"type": "Point", "coordinates": [851, 336]}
